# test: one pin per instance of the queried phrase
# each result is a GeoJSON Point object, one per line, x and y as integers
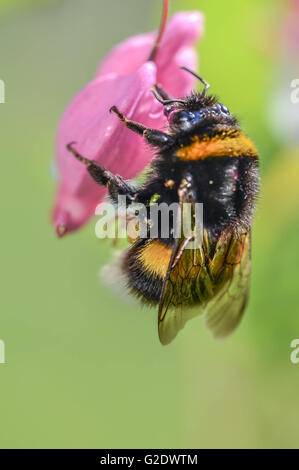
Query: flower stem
{"type": "Point", "coordinates": [161, 31]}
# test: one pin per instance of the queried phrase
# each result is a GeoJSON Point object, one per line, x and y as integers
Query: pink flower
{"type": "Point", "coordinates": [124, 79]}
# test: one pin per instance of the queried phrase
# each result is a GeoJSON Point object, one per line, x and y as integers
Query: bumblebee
{"type": "Point", "coordinates": [204, 157]}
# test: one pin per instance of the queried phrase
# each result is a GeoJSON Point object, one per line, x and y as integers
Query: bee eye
{"type": "Point", "coordinates": [216, 110]}
{"type": "Point", "coordinates": [183, 116]}
{"type": "Point", "coordinates": [184, 119]}
{"type": "Point", "coordinates": [223, 109]}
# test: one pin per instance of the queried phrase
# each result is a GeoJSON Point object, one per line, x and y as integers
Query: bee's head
{"type": "Point", "coordinates": [196, 110]}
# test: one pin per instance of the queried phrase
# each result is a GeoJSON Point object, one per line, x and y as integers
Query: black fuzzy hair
{"type": "Point", "coordinates": [197, 100]}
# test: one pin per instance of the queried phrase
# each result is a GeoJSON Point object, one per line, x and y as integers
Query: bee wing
{"type": "Point", "coordinates": [224, 312]}
{"type": "Point", "coordinates": [173, 315]}
{"type": "Point", "coordinates": [174, 321]}
{"type": "Point", "coordinates": [230, 269]}
{"type": "Point", "coordinates": [168, 327]}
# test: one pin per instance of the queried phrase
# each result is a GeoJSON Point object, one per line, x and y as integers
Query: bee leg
{"type": "Point", "coordinates": [181, 251]}
{"type": "Point", "coordinates": [115, 184]}
{"type": "Point", "coordinates": [152, 136]}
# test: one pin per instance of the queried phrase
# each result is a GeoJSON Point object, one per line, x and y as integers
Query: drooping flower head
{"type": "Point", "coordinates": [124, 78]}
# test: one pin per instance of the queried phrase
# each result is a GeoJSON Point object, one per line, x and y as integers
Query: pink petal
{"type": "Point", "coordinates": [182, 30]}
{"type": "Point", "coordinates": [100, 136]}
{"type": "Point", "coordinates": [178, 82]}
{"type": "Point", "coordinates": [128, 56]}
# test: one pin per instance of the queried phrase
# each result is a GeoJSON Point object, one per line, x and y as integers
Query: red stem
{"type": "Point", "coordinates": [161, 31]}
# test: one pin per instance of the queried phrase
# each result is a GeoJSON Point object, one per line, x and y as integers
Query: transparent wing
{"type": "Point", "coordinates": [171, 315]}
{"type": "Point", "coordinates": [224, 311]}
{"type": "Point", "coordinates": [222, 283]}
{"type": "Point", "coordinates": [175, 320]}
{"type": "Point", "coordinates": [189, 279]}
{"type": "Point", "coordinates": [169, 325]}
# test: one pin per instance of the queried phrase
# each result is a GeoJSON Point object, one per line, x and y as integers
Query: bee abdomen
{"type": "Point", "coordinates": [144, 269]}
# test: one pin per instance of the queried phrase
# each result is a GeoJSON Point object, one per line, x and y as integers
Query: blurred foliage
{"type": "Point", "coordinates": [84, 367]}
{"type": "Point", "coordinates": [7, 6]}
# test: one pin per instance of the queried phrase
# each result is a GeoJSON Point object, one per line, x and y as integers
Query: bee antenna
{"type": "Point", "coordinates": [198, 78]}
{"type": "Point", "coordinates": [157, 94]}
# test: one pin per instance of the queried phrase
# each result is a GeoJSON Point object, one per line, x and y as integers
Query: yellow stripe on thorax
{"type": "Point", "coordinates": [155, 258]}
{"type": "Point", "coordinates": [223, 144]}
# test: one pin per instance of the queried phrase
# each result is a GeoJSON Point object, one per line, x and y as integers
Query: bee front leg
{"type": "Point", "coordinates": [152, 136]}
{"type": "Point", "coordinates": [114, 183]}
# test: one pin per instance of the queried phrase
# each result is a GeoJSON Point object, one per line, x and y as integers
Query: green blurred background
{"type": "Point", "coordinates": [84, 369]}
